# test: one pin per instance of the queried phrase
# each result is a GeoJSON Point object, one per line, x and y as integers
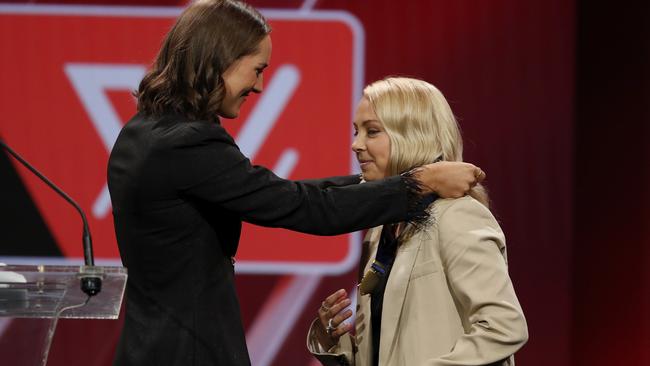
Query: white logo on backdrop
{"type": "Point", "coordinates": [91, 81]}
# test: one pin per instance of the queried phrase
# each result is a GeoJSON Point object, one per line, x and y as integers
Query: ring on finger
{"type": "Point", "coordinates": [330, 327]}
{"type": "Point", "coordinates": [324, 307]}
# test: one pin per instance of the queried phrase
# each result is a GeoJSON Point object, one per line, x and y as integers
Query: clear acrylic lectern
{"type": "Point", "coordinates": [40, 295]}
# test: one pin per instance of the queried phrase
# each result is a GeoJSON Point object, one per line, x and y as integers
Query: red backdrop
{"type": "Point", "coordinates": [538, 125]}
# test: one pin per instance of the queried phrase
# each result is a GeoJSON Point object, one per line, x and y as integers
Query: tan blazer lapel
{"type": "Point", "coordinates": [369, 251]}
{"type": "Point", "coordinates": [363, 321]}
{"type": "Point", "coordinates": [395, 295]}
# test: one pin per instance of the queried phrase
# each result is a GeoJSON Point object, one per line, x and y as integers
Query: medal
{"type": "Point", "coordinates": [372, 277]}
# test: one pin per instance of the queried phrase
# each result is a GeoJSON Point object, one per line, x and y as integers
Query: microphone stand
{"type": "Point", "coordinates": [91, 284]}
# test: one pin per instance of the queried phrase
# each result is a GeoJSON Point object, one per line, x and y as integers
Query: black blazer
{"type": "Point", "coordinates": [180, 190]}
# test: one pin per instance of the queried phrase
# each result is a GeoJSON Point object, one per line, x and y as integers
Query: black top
{"type": "Point", "coordinates": [386, 256]}
{"type": "Point", "coordinates": [180, 190]}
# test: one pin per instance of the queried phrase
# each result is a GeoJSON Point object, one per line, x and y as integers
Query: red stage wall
{"type": "Point", "coordinates": [508, 69]}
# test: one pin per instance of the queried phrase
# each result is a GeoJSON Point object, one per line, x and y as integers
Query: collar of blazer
{"type": "Point", "coordinates": [396, 287]}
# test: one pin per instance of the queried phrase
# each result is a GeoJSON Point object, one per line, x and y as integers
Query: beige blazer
{"type": "Point", "coordinates": [448, 300]}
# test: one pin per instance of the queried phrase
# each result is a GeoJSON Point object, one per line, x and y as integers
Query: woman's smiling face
{"type": "Point", "coordinates": [371, 142]}
{"type": "Point", "coordinates": [243, 77]}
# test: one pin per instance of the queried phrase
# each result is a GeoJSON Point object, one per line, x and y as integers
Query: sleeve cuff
{"type": "Point", "coordinates": [335, 356]}
{"type": "Point", "coordinates": [418, 213]}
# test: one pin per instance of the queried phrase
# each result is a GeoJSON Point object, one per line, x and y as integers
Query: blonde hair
{"type": "Point", "coordinates": [419, 123]}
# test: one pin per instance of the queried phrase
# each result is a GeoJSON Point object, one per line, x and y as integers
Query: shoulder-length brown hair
{"type": "Point", "coordinates": [186, 77]}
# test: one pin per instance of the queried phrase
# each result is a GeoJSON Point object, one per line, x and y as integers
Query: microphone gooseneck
{"type": "Point", "coordinates": [89, 285]}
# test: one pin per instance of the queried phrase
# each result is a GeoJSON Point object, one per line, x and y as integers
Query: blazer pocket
{"type": "Point", "coordinates": [424, 269]}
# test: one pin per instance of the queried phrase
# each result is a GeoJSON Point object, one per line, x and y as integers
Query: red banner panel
{"type": "Point", "coordinates": [67, 84]}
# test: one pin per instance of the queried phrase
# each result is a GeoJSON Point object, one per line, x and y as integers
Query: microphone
{"type": "Point", "coordinates": [91, 285]}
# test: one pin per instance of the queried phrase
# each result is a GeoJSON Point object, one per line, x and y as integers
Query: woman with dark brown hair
{"type": "Point", "coordinates": [180, 189]}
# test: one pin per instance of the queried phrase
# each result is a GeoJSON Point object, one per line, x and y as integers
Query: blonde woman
{"type": "Point", "coordinates": [434, 294]}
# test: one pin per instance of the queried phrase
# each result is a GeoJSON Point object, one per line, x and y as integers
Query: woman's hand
{"type": "Point", "coordinates": [448, 179]}
{"type": "Point", "coordinates": [330, 327]}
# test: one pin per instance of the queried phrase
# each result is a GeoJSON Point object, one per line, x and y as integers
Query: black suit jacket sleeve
{"type": "Point", "coordinates": [208, 166]}
{"type": "Point", "coordinates": [333, 181]}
